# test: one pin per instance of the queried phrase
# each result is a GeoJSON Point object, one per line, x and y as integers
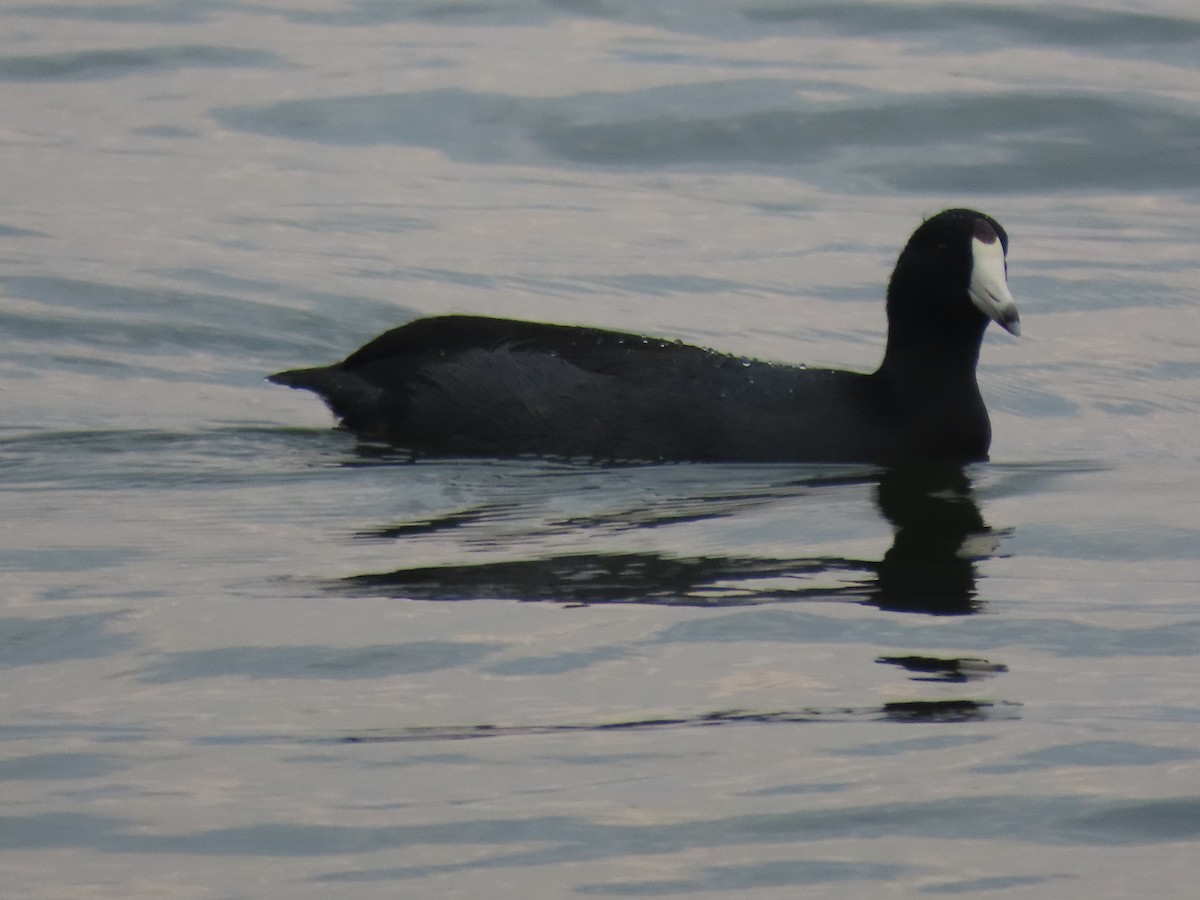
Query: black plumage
{"type": "Point", "coordinates": [478, 386]}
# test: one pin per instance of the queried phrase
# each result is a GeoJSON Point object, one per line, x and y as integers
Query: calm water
{"type": "Point", "coordinates": [231, 663]}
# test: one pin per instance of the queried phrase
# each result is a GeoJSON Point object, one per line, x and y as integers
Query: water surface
{"type": "Point", "coordinates": [247, 657]}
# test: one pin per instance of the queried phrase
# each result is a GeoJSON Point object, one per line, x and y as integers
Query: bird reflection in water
{"type": "Point", "coordinates": [930, 568]}
{"type": "Point", "coordinates": [939, 536]}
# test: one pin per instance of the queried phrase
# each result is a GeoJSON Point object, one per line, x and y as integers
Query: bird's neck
{"type": "Point", "coordinates": [930, 361]}
{"type": "Point", "coordinates": [932, 375]}
{"type": "Point", "coordinates": [925, 354]}
{"type": "Point", "coordinates": [933, 383]}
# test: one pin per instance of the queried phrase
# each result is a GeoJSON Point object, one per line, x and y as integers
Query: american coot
{"type": "Point", "coordinates": [477, 386]}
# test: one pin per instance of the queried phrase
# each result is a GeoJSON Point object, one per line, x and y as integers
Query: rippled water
{"type": "Point", "coordinates": [232, 667]}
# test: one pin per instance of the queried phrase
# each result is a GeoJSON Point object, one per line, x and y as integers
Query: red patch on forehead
{"type": "Point", "coordinates": [985, 232]}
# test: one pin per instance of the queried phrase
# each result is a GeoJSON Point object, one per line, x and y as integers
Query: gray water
{"type": "Point", "coordinates": [245, 657]}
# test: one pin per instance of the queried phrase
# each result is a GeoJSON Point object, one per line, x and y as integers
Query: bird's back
{"type": "Point", "coordinates": [476, 386]}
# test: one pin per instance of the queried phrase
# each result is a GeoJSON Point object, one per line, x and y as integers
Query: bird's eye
{"type": "Point", "coordinates": [941, 248]}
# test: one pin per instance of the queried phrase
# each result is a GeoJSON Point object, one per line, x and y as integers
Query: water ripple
{"type": "Point", "coordinates": [1005, 141]}
{"type": "Point", "coordinates": [87, 65]}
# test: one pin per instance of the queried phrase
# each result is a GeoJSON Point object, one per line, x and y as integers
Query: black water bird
{"type": "Point", "coordinates": [479, 386]}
